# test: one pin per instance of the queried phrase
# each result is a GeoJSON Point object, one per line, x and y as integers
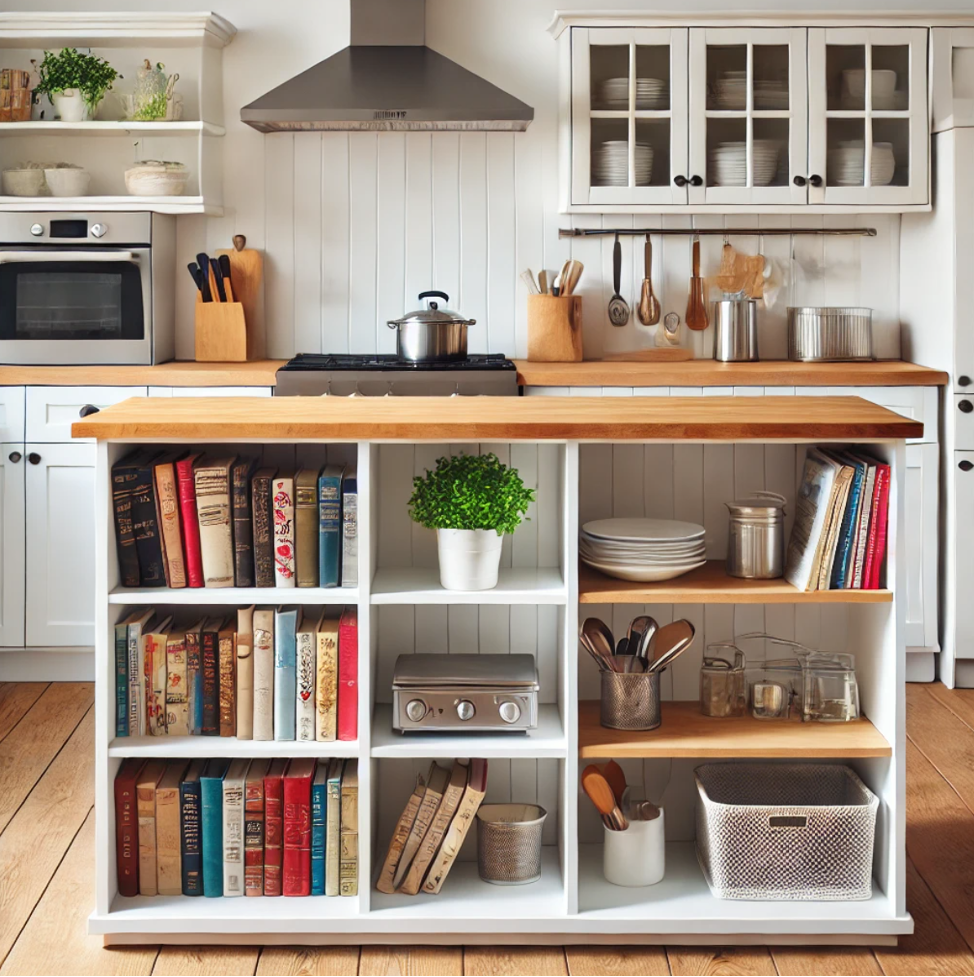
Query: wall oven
{"type": "Point", "coordinates": [87, 289]}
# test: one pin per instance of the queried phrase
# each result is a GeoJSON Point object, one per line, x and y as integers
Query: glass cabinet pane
{"type": "Point", "coordinates": [652, 152]}
{"type": "Point", "coordinates": [610, 76]}
{"type": "Point", "coordinates": [610, 153]}
{"type": "Point", "coordinates": [652, 77]}
{"type": "Point", "coordinates": [890, 77]}
{"type": "Point", "coordinates": [770, 82]}
{"type": "Point", "coordinates": [727, 77]}
{"type": "Point", "coordinates": [845, 77]}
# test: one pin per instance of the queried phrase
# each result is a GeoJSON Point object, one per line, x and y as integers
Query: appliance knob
{"type": "Point", "coordinates": [416, 710]}
{"type": "Point", "coordinates": [37, 230]}
{"type": "Point", "coordinates": [510, 711]}
{"type": "Point", "coordinates": [99, 230]}
{"type": "Point", "coordinates": [465, 710]}
{"type": "Point", "coordinates": [965, 406]}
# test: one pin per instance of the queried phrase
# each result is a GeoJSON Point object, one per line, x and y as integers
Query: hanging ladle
{"type": "Point", "coordinates": [618, 306]}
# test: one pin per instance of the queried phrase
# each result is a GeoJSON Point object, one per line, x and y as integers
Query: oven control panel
{"type": "Point", "coordinates": [468, 709]}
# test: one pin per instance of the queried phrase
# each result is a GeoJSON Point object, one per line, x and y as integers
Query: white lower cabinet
{"type": "Point", "coordinates": [12, 462]}
{"type": "Point", "coordinates": [922, 489]}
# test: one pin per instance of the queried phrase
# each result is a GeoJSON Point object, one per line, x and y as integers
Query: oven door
{"type": "Point", "coordinates": [75, 306]}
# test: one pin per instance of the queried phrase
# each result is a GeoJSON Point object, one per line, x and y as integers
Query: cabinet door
{"type": "Point", "coordinates": [963, 476]}
{"type": "Point", "coordinates": [12, 463]}
{"type": "Point", "coordinates": [52, 410]}
{"type": "Point", "coordinates": [60, 544]}
{"type": "Point", "coordinates": [868, 138]}
{"type": "Point", "coordinates": [748, 115]}
{"type": "Point", "coordinates": [922, 481]}
{"type": "Point", "coordinates": [629, 115]}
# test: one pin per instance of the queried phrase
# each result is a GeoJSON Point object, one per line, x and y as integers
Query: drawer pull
{"type": "Point", "coordinates": [963, 381]}
{"type": "Point", "coordinates": [87, 409]}
{"type": "Point", "coordinates": [966, 466]}
{"type": "Point", "coordinates": [34, 458]}
{"type": "Point", "coordinates": [15, 456]}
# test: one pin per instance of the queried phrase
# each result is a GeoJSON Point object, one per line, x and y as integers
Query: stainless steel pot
{"type": "Point", "coordinates": [431, 335]}
{"type": "Point", "coordinates": [756, 537]}
{"type": "Point", "coordinates": [829, 334]}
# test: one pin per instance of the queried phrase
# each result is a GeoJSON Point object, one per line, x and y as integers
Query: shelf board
{"type": "Point", "coordinates": [710, 584]}
{"type": "Point", "coordinates": [683, 903]}
{"type": "Point", "coordinates": [111, 204]}
{"type": "Point", "coordinates": [234, 595]}
{"type": "Point", "coordinates": [685, 733]}
{"type": "Point", "coordinates": [192, 747]}
{"type": "Point", "coordinates": [416, 585]}
{"type": "Point", "coordinates": [111, 128]}
{"type": "Point", "coordinates": [548, 740]}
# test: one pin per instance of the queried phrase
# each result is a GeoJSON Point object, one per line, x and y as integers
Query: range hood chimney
{"type": "Point", "coordinates": [387, 79]}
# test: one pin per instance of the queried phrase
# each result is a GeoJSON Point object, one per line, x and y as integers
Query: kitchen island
{"type": "Point", "coordinates": [568, 451]}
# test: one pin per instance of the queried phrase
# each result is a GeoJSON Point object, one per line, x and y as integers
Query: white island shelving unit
{"type": "Point", "coordinates": [560, 447]}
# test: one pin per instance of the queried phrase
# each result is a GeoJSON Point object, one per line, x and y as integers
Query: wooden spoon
{"type": "Point", "coordinates": [696, 315]}
{"type": "Point", "coordinates": [600, 793]}
{"type": "Point", "coordinates": [616, 778]}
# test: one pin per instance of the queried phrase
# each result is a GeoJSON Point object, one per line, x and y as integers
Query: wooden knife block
{"type": "Point", "coordinates": [221, 332]}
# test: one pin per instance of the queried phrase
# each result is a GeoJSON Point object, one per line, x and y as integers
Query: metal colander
{"type": "Point", "coordinates": [630, 700]}
{"type": "Point", "coordinates": [509, 843]}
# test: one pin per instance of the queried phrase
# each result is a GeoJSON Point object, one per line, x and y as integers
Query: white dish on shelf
{"type": "Point", "coordinates": [883, 81]}
{"type": "Point", "coordinates": [642, 530]}
{"type": "Point", "coordinates": [643, 574]}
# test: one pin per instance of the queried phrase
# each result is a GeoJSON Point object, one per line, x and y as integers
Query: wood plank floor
{"type": "Point", "coordinates": [47, 870]}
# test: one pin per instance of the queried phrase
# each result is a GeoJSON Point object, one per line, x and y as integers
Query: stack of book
{"type": "Point", "coordinates": [838, 540]}
{"type": "Point", "coordinates": [259, 673]}
{"type": "Point", "coordinates": [185, 519]}
{"type": "Point", "coordinates": [432, 827]}
{"type": "Point", "coordinates": [237, 827]}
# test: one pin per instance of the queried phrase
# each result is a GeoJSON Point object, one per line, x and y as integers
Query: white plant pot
{"type": "Point", "coordinates": [469, 558]}
{"type": "Point", "coordinates": [70, 106]}
{"type": "Point", "coordinates": [637, 856]}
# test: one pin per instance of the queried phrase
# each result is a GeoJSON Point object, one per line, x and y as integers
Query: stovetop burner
{"type": "Point", "coordinates": [386, 362]}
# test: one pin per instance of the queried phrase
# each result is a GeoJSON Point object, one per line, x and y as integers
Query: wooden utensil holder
{"type": "Point", "coordinates": [555, 328]}
{"type": "Point", "coordinates": [221, 332]}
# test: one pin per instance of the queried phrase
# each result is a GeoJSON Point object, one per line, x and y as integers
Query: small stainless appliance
{"type": "Point", "coordinates": [477, 693]}
{"type": "Point", "coordinates": [84, 289]}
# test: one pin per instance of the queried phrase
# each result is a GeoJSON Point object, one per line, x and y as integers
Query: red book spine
{"type": "Point", "coordinates": [127, 828]}
{"type": "Point", "coordinates": [186, 483]}
{"type": "Point", "coordinates": [867, 572]}
{"type": "Point", "coordinates": [254, 837]}
{"type": "Point", "coordinates": [882, 515]}
{"type": "Point", "coordinates": [273, 834]}
{"type": "Point", "coordinates": [297, 834]}
{"type": "Point", "coordinates": [348, 676]}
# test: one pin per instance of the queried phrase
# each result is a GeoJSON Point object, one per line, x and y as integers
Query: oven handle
{"type": "Point", "coordinates": [7, 256]}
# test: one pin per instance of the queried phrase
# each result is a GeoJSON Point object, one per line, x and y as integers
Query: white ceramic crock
{"type": "Point", "coordinates": [469, 558]}
{"type": "Point", "coordinates": [70, 106]}
{"type": "Point", "coordinates": [637, 856]}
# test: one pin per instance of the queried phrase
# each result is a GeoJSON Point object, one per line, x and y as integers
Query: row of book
{"type": "Point", "coordinates": [288, 673]}
{"type": "Point", "coordinates": [432, 827]}
{"type": "Point", "coordinates": [237, 827]}
{"type": "Point", "coordinates": [184, 518]}
{"type": "Point", "coordinates": [838, 540]}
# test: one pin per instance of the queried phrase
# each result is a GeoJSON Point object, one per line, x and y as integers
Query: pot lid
{"type": "Point", "coordinates": [435, 311]}
{"type": "Point", "coordinates": [758, 504]}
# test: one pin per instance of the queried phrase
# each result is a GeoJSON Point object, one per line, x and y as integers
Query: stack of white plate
{"type": "Point", "coordinates": [651, 93]}
{"type": "Point", "coordinates": [730, 92]}
{"type": "Point", "coordinates": [846, 164]}
{"type": "Point", "coordinates": [644, 550]}
{"type": "Point", "coordinates": [610, 164]}
{"type": "Point", "coordinates": [728, 163]}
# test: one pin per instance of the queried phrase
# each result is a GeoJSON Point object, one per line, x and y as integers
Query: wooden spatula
{"type": "Point", "coordinates": [696, 316]}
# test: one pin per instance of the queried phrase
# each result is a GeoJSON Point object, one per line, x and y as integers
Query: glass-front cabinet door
{"type": "Point", "coordinates": [748, 115]}
{"type": "Point", "coordinates": [629, 115]}
{"type": "Point", "coordinates": [867, 116]}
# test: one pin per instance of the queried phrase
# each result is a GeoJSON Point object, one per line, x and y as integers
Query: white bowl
{"type": "Point", "coordinates": [67, 181]}
{"type": "Point", "coordinates": [644, 574]}
{"type": "Point", "coordinates": [23, 183]}
{"type": "Point", "coordinates": [883, 79]}
{"type": "Point", "coordinates": [643, 530]}
{"type": "Point", "coordinates": [156, 179]}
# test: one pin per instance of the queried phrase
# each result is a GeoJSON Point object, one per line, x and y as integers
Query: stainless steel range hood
{"type": "Point", "coordinates": [387, 79]}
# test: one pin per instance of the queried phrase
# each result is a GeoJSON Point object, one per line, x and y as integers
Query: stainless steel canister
{"type": "Point", "coordinates": [756, 536]}
{"type": "Point", "coordinates": [829, 334]}
{"type": "Point", "coordinates": [735, 330]}
{"type": "Point", "coordinates": [509, 843]}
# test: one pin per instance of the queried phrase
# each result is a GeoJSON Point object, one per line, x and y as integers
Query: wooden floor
{"type": "Point", "coordinates": [47, 871]}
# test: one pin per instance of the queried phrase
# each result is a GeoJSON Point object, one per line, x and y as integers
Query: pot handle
{"type": "Point", "coordinates": [439, 295]}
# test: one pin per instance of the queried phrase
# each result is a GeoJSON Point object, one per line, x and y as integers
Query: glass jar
{"type": "Point", "coordinates": [723, 689]}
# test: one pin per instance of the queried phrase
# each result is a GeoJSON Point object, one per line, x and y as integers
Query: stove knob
{"type": "Point", "coordinates": [510, 711]}
{"type": "Point", "coordinates": [99, 230]}
{"type": "Point", "coordinates": [37, 230]}
{"type": "Point", "coordinates": [465, 710]}
{"type": "Point", "coordinates": [416, 710]}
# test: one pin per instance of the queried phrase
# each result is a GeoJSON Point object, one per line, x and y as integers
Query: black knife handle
{"type": "Point", "coordinates": [203, 260]}
{"type": "Point", "coordinates": [218, 278]}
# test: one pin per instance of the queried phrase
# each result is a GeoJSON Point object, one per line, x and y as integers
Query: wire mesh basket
{"type": "Point", "coordinates": [785, 831]}
{"type": "Point", "coordinates": [509, 843]}
{"type": "Point", "coordinates": [630, 700]}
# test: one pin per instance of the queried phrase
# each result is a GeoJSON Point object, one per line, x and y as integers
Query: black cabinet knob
{"type": "Point", "coordinates": [965, 406]}
{"type": "Point", "coordinates": [966, 466]}
{"type": "Point", "coordinates": [15, 456]}
{"type": "Point", "coordinates": [799, 181]}
{"type": "Point", "coordinates": [87, 409]}
{"type": "Point", "coordinates": [963, 381]}
{"type": "Point", "coordinates": [696, 181]}
{"type": "Point", "coordinates": [680, 180]}
{"type": "Point", "coordinates": [815, 180]}
{"type": "Point", "coordinates": [34, 458]}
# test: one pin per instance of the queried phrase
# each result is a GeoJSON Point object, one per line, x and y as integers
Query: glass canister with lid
{"type": "Point", "coordinates": [723, 688]}
{"type": "Point", "coordinates": [756, 536]}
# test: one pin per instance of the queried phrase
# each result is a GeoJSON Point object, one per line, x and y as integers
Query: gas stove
{"type": "Point", "coordinates": [385, 375]}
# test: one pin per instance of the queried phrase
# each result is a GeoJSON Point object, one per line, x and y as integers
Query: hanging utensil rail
{"type": "Point", "coordinates": [717, 231]}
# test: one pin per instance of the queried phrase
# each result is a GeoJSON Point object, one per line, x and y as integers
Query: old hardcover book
{"type": "Point", "coordinates": [233, 827]}
{"type": "Point", "coordinates": [296, 872]}
{"type": "Point", "coordinates": [350, 529]}
{"type": "Point", "coordinates": [127, 826]}
{"type": "Point", "coordinates": [210, 668]}
{"type": "Point", "coordinates": [243, 527]}
{"type": "Point", "coordinates": [285, 672]}
{"type": "Point", "coordinates": [154, 642]}
{"type": "Point", "coordinates": [211, 796]}
{"type": "Point", "coordinates": [282, 503]}
{"type": "Point", "coordinates": [348, 843]}
{"type": "Point", "coordinates": [136, 671]}
{"type": "Point", "coordinates": [273, 826]}
{"type": "Point", "coordinates": [333, 826]}
{"type": "Point", "coordinates": [398, 840]}
{"type": "Point", "coordinates": [125, 476]}
{"type": "Point", "coordinates": [169, 869]}
{"type": "Point", "coordinates": [430, 844]}
{"type": "Point", "coordinates": [348, 675]}
{"type": "Point", "coordinates": [304, 704]}
{"type": "Point", "coordinates": [186, 489]}
{"type": "Point", "coordinates": [263, 674]}
{"type": "Point", "coordinates": [244, 651]}
{"type": "Point", "coordinates": [254, 828]}
{"type": "Point", "coordinates": [436, 783]}
{"type": "Point", "coordinates": [263, 527]}
{"type": "Point", "coordinates": [216, 531]}
{"type": "Point", "coordinates": [319, 805]}
{"type": "Point", "coordinates": [145, 792]}
{"type": "Point", "coordinates": [803, 558]}
{"type": "Point", "coordinates": [122, 674]}
{"type": "Point", "coordinates": [843, 485]}
{"type": "Point", "coordinates": [194, 677]}
{"type": "Point", "coordinates": [861, 534]}
{"type": "Point", "coordinates": [177, 686]}
{"type": "Point", "coordinates": [228, 680]}
{"type": "Point", "coordinates": [191, 848]}
{"type": "Point", "coordinates": [876, 541]}
{"type": "Point", "coordinates": [145, 526]}
{"type": "Point", "coordinates": [167, 500]}
{"type": "Point", "coordinates": [330, 526]}
{"type": "Point", "coordinates": [326, 678]}
{"type": "Point", "coordinates": [306, 527]}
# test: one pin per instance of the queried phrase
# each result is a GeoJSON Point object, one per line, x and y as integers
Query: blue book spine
{"type": "Point", "coordinates": [190, 847]}
{"type": "Point", "coordinates": [318, 802]}
{"type": "Point", "coordinates": [211, 796]}
{"type": "Point", "coordinates": [329, 528]}
{"type": "Point", "coordinates": [844, 547]}
{"type": "Point", "coordinates": [285, 674]}
{"type": "Point", "coordinates": [194, 683]}
{"type": "Point", "coordinates": [121, 681]}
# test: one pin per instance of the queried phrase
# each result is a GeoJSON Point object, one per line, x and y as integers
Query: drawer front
{"type": "Point", "coordinates": [963, 406]}
{"type": "Point", "coordinates": [52, 410]}
{"type": "Point", "coordinates": [12, 413]}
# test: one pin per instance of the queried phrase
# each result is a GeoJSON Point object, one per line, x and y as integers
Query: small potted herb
{"type": "Point", "coordinates": [75, 82]}
{"type": "Point", "coordinates": [471, 501]}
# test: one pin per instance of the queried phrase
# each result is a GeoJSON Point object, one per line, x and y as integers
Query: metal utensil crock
{"type": "Point", "coordinates": [756, 537]}
{"type": "Point", "coordinates": [509, 843]}
{"type": "Point", "coordinates": [829, 334]}
{"type": "Point", "coordinates": [431, 335]}
{"type": "Point", "coordinates": [735, 330]}
{"type": "Point", "coordinates": [630, 700]}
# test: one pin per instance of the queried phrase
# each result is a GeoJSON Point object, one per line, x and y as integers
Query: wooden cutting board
{"type": "Point", "coordinates": [247, 278]}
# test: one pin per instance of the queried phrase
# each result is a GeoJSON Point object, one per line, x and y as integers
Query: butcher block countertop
{"type": "Point", "coordinates": [257, 373]}
{"type": "Point", "coordinates": [710, 373]}
{"type": "Point", "coordinates": [455, 419]}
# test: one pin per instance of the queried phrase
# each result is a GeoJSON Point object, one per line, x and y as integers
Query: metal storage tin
{"type": "Point", "coordinates": [630, 700]}
{"type": "Point", "coordinates": [509, 843]}
{"type": "Point", "coordinates": [829, 334]}
{"type": "Point", "coordinates": [736, 330]}
{"type": "Point", "coordinates": [756, 537]}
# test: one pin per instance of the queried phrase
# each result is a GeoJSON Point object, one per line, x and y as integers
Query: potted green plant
{"type": "Point", "coordinates": [75, 82]}
{"type": "Point", "coordinates": [471, 501]}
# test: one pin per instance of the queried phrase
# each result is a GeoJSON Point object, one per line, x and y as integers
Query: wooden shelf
{"type": "Point", "coordinates": [256, 373]}
{"type": "Point", "coordinates": [710, 584]}
{"type": "Point", "coordinates": [685, 733]}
